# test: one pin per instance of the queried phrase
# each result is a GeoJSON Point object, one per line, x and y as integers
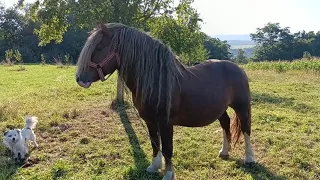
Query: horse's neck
{"type": "Point", "coordinates": [129, 81]}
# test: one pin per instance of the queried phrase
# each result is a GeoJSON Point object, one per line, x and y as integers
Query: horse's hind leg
{"type": "Point", "coordinates": [225, 125]}
{"type": "Point", "coordinates": [242, 122]}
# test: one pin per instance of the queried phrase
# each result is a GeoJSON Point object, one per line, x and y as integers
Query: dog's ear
{"type": "Point", "coordinates": [5, 133]}
{"type": "Point", "coordinates": [18, 130]}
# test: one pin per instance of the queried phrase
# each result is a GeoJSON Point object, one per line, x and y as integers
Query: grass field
{"type": "Point", "coordinates": [310, 66]}
{"type": "Point", "coordinates": [81, 136]}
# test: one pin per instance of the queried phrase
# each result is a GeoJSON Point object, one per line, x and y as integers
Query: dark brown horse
{"type": "Point", "coordinates": [167, 93]}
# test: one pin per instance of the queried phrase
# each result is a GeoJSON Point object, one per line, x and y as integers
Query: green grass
{"type": "Point", "coordinates": [312, 65]}
{"type": "Point", "coordinates": [82, 136]}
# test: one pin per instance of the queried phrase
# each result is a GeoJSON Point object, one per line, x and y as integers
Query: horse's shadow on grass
{"type": "Point", "coordinates": [283, 102]}
{"type": "Point", "coordinates": [140, 158]}
{"type": "Point", "coordinates": [256, 170]}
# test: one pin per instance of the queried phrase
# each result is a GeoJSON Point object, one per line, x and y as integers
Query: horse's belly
{"type": "Point", "coordinates": [198, 115]}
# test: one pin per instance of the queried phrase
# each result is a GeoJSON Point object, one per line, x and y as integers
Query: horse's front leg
{"type": "Point", "coordinates": [156, 163]}
{"type": "Point", "coordinates": [166, 133]}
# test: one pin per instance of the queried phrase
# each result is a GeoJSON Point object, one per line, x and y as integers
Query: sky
{"type": "Point", "coordinates": [244, 16]}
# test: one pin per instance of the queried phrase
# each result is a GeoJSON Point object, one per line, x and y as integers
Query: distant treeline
{"type": "Point", "coordinates": [50, 33]}
{"type": "Point", "coordinates": [274, 43]}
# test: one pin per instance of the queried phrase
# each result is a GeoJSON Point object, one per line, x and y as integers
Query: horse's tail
{"type": "Point", "coordinates": [236, 128]}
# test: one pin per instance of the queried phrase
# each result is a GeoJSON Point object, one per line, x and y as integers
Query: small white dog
{"type": "Point", "coordinates": [27, 132]}
{"type": "Point", "coordinates": [16, 144]}
{"type": "Point", "coordinates": [17, 140]}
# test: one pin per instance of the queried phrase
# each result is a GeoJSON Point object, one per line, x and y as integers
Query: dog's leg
{"type": "Point", "coordinates": [33, 138]}
{"type": "Point", "coordinates": [35, 143]}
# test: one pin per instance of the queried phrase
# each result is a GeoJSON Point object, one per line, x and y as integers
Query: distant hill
{"type": "Point", "coordinates": [239, 37]}
{"type": "Point", "coordinates": [238, 41]}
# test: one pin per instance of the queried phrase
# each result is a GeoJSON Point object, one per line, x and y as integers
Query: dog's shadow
{"type": "Point", "coordinates": [140, 158]}
{"type": "Point", "coordinates": [8, 166]}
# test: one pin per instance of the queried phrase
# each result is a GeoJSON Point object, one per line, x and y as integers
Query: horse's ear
{"type": "Point", "coordinates": [104, 29]}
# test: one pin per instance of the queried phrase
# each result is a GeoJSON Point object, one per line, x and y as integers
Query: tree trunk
{"type": "Point", "coordinates": [120, 89]}
{"type": "Point", "coordinates": [120, 85]}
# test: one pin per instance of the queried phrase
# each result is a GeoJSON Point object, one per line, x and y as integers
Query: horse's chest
{"type": "Point", "coordinates": [146, 111]}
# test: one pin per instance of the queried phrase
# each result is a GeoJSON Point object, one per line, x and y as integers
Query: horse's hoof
{"type": "Point", "coordinates": [169, 176]}
{"type": "Point", "coordinates": [249, 160]}
{"type": "Point", "coordinates": [152, 169]}
{"type": "Point", "coordinates": [224, 156]}
{"type": "Point", "coordinates": [156, 164]}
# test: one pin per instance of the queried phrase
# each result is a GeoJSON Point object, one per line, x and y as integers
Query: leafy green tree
{"type": "Point", "coordinates": [181, 31]}
{"type": "Point", "coordinates": [17, 32]}
{"type": "Point", "coordinates": [217, 49]}
{"type": "Point", "coordinates": [241, 58]}
{"type": "Point", "coordinates": [273, 42]}
{"type": "Point", "coordinates": [57, 15]}
{"type": "Point", "coordinates": [276, 43]}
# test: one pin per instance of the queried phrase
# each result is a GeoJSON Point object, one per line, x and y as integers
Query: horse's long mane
{"type": "Point", "coordinates": [149, 58]}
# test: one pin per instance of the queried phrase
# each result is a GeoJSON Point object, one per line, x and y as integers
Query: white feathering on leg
{"type": "Point", "coordinates": [225, 146]}
{"type": "Point", "coordinates": [156, 163]}
{"type": "Point", "coordinates": [249, 152]}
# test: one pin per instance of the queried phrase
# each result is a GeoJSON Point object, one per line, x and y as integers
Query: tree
{"type": "Point", "coordinates": [217, 49]}
{"type": "Point", "coordinates": [273, 42]}
{"type": "Point", "coordinates": [181, 31]}
{"type": "Point", "coordinates": [276, 43]}
{"type": "Point", "coordinates": [241, 58]}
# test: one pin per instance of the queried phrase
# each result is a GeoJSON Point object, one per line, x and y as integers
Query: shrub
{"type": "Point", "coordinates": [9, 57]}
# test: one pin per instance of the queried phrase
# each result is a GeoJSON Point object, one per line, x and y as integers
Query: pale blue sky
{"type": "Point", "coordinates": [244, 16]}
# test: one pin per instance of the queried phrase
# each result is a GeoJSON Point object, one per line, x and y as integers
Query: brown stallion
{"type": "Point", "coordinates": [166, 92]}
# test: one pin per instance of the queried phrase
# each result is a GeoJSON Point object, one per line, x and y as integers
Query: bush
{"type": "Point", "coordinates": [9, 57]}
{"type": "Point", "coordinates": [17, 56]}
{"type": "Point", "coordinates": [43, 60]}
{"type": "Point", "coordinates": [307, 55]}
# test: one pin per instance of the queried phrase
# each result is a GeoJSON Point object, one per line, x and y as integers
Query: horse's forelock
{"type": "Point", "coordinates": [86, 52]}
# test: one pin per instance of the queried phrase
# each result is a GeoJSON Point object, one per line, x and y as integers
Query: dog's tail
{"type": "Point", "coordinates": [31, 122]}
